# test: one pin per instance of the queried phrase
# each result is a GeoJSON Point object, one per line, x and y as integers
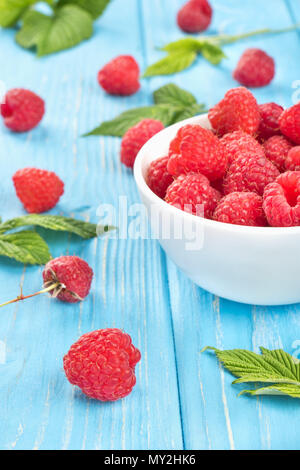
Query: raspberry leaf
{"type": "Point", "coordinates": [173, 63]}
{"type": "Point", "coordinates": [26, 247]}
{"type": "Point", "coordinates": [94, 7]}
{"type": "Point", "coordinates": [174, 95]}
{"type": "Point", "coordinates": [276, 389]}
{"type": "Point", "coordinates": [12, 10]}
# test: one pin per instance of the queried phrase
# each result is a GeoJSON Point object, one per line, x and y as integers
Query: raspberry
{"type": "Point", "coordinates": [250, 172]}
{"type": "Point", "coordinates": [254, 69]}
{"type": "Point", "coordinates": [22, 110]}
{"type": "Point", "coordinates": [38, 190]}
{"type": "Point", "coordinates": [195, 16]}
{"type": "Point", "coordinates": [70, 276]}
{"type": "Point", "coordinates": [196, 150]}
{"type": "Point", "coordinates": [289, 123]}
{"type": "Point", "coordinates": [237, 111]}
{"type": "Point", "coordinates": [292, 161]}
{"type": "Point", "coordinates": [158, 177]}
{"type": "Point", "coordinates": [241, 209]}
{"type": "Point", "coordinates": [282, 200]}
{"type": "Point", "coordinates": [269, 120]}
{"type": "Point", "coordinates": [276, 150]}
{"type": "Point", "coordinates": [136, 137]}
{"type": "Point", "coordinates": [102, 363]}
{"type": "Point", "coordinates": [193, 193]}
{"type": "Point", "coordinates": [238, 143]}
{"type": "Point", "coordinates": [120, 76]}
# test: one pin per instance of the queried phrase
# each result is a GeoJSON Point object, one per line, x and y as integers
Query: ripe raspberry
{"type": "Point", "coordinates": [289, 123]}
{"type": "Point", "coordinates": [282, 200]}
{"type": "Point", "coordinates": [192, 193]}
{"type": "Point", "coordinates": [250, 172]}
{"type": "Point", "coordinates": [38, 190]}
{"type": "Point", "coordinates": [102, 363]}
{"type": "Point", "coordinates": [239, 143]}
{"type": "Point", "coordinates": [22, 110]}
{"type": "Point", "coordinates": [136, 137]}
{"type": "Point", "coordinates": [276, 150]}
{"type": "Point", "coordinates": [292, 161]}
{"type": "Point", "coordinates": [70, 276]}
{"type": "Point", "coordinates": [120, 76]}
{"type": "Point", "coordinates": [255, 68]}
{"type": "Point", "coordinates": [195, 16]}
{"type": "Point", "coordinates": [269, 120]}
{"type": "Point", "coordinates": [241, 209]}
{"type": "Point", "coordinates": [237, 111]}
{"type": "Point", "coordinates": [196, 150]}
{"type": "Point", "coordinates": [158, 177]}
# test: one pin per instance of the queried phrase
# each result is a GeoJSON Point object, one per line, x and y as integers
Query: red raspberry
{"type": "Point", "coordinates": [158, 177]}
{"type": "Point", "coordinates": [120, 76]}
{"type": "Point", "coordinates": [292, 161]}
{"type": "Point", "coordinates": [282, 200]}
{"type": "Point", "coordinates": [194, 194]}
{"type": "Point", "coordinates": [22, 110]}
{"type": "Point", "coordinates": [269, 120]}
{"type": "Point", "coordinates": [196, 150]}
{"type": "Point", "coordinates": [289, 122]}
{"type": "Point", "coordinates": [241, 209]}
{"type": "Point", "coordinates": [195, 16]}
{"type": "Point", "coordinates": [276, 150]}
{"type": "Point", "coordinates": [70, 276]}
{"type": "Point", "coordinates": [239, 143]}
{"type": "Point", "coordinates": [250, 172]}
{"type": "Point", "coordinates": [237, 111]}
{"type": "Point", "coordinates": [102, 363]}
{"type": "Point", "coordinates": [255, 68]}
{"type": "Point", "coordinates": [136, 137]}
{"type": "Point", "coordinates": [38, 190]}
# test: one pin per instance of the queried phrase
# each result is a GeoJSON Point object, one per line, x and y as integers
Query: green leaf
{"type": "Point", "coordinates": [26, 247]}
{"type": "Point", "coordinates": [94, 7]}
{"type": "Point", "coordinates": [173, 95]}
{"type": "Point", "coordinates": [190, 111]}
{"type": "Point", "coordinates": [12, 10]}
{"type": "Point", "coordinates": [185, 44]}
{"type": "Point", "coordinates": [276, 389]}
{"type": "Point", "coordinates": [59, 223]}
{"type": "Point", "coordinates": [212, 53]}
{"type": "Point", "coordinates": [67, 27]}
{"type": "Point", "coordinates": [173, 63]}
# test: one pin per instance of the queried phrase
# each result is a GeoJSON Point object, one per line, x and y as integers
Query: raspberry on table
{"type": "Point", "coordinates": [196, 150]}
{"type": "Point", "coordinates": [269, 120]}
{"type": "Point", "coordinates": [193, 193]}
{"type": "Point", "coordinates": [136, 137]}
{"type": "Point", "coordinates": [38, 190]}
{"type": "Point", "coordinates": [240, 143]}
{"type": "Point", "coordinates": [282, 200]}
{"type": "Point", "coordinates": [241, 208]}
{"type": "Point", "coordinates": [237, 111]}
{"type": "Point", "coordinates": [255, 68]}
{"type": "Point", "coordinates": [276, 150]}
{"type": "Point", "coordinates": [102, 364]}
{"type": "Point", "coordinates": [158, 177]}
{"type": "Point", "coordinates": [292, 161]}
{"type": "Point", "coordinates": [120, 76]}
{"type": "Point", "coordinates": [195, 16]}
{"type": "Point", "coordinates": [70, 276]}
{"type": "Point", "coordinates": [251, 172]}
{"type": "Point", "coordinates": [289, 123]}
{"type": "Point", "coordinates": [22, 110]}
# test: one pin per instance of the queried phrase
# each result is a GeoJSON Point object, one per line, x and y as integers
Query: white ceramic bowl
{"type": "Point", "coordinates": [254, 265]}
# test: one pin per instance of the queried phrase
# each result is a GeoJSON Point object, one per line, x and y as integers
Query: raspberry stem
{"type": "Point", "coordinates": [228, 38]}
{"type": "Point", "coordinates": [23, 297]}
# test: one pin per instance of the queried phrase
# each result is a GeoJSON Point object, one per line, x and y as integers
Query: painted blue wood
{"type": "Point", "coordinates": [183, 399]}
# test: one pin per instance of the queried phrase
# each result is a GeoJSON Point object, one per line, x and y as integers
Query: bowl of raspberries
{"type": "Point", "coordinates": [222, 192]}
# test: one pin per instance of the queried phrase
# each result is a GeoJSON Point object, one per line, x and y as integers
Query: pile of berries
{"type": "Point", "coordinates": [245, 171]}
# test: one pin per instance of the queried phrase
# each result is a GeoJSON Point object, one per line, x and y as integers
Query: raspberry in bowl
{"type": "Point", "coordinates": [234, 253]}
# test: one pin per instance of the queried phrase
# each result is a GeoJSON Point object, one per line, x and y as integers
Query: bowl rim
{"type": "Point", "coordinates": [156, 200]}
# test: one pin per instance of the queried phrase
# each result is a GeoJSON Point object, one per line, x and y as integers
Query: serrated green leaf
{"type": "Point", "coordinates": [276, 389]}
{"type": "Point", "coordinates": [185, 44]}
{"type": "Point", "coordinates": [67, 27]}
{"type": "Point", "coordinates": [212, 53]}
{"type": "Point", "coordinates": [173, 95]}
{"type": "Point", "coordinates": [26, 247]}
{"type": "Point", "coordinates": [12, 10]}
{"type": "Point", "coordinates": [58, 223]}
{"type": "Point", "coordinates": [173, 63]}
{"type": "Point", "coordinates": [94, 7]}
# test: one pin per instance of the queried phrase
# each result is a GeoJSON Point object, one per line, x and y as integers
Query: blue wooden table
{"type": "Point", "coordinates": [183, 399]}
